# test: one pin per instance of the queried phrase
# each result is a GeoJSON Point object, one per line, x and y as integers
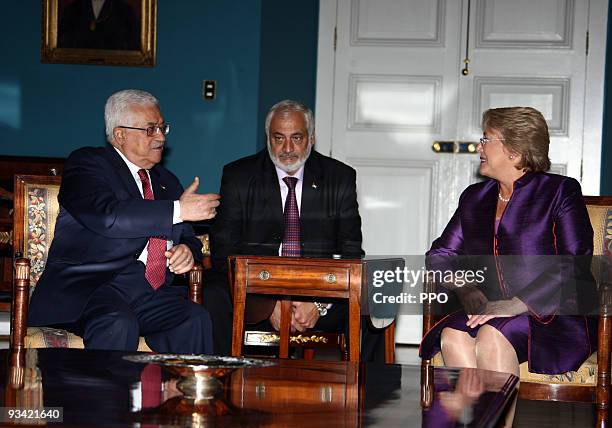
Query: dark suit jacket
{"type": "Point", "coordinates": [103, 225]}
{"type": "Point", "coordinates": [250, 217]}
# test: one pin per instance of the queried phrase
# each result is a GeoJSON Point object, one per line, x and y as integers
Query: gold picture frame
{"type": "Point", "coordinates": [124, 33]}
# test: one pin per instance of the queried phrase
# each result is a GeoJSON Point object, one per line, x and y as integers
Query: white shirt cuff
{"type": "Point", "coordinates": [176, 213]}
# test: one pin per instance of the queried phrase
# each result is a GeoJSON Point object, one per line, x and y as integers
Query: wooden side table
{"type": "Point", "coordinates": [295, 276]}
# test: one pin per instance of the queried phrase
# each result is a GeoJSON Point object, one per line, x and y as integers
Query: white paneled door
{"type": "Point", "coordinates": [392, 80]}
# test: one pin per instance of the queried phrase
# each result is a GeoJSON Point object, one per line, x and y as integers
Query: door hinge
{"type": "Point", "coordinates": [587, 43]}
{"type": "Point", "coordinates": [335, 37]}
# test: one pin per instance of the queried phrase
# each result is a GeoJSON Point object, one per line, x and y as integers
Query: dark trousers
{"type": "Point", "coordinates": [336, 321]}
{"type": "Point", "coordinates": [119, 312]}
{"type": "Point", "coordinates": [216, 299]}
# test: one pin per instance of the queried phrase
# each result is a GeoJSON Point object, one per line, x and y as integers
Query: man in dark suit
{"type": "Point", "coordinates": [120, 237]}
{"type": "Point", "coordinates": [256, 192]}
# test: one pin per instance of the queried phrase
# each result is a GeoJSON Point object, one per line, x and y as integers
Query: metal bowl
{"type": "Point", "coordinates": [199, 373]}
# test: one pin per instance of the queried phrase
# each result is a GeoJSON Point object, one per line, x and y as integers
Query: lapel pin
{"type": "Point", "coordinates": [314, 185]}
{"type": "Point", "coordinates": [163, 187]}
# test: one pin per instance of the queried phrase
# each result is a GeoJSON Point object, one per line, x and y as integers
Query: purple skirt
{"type": "Point", "coordinates": [515, 330]}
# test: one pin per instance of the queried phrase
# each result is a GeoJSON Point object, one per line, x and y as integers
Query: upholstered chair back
{"type": "Point", "coordinates": [36, 210]}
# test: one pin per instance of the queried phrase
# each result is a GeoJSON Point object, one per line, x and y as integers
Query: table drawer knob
{"type": "Point", "coordinates": [264, 275]}
{"type": "Point", "coordinates": [330, 278]}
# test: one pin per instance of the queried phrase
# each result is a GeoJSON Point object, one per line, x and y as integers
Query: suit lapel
{"type": "Point", "coordinates": [312, 194]}
{"type": "Point", "coordinates": [270, 188]}
{"type": "Point", "coordinates": [159, 189]}
{"type": "Point", "coordinates": [123, 171]}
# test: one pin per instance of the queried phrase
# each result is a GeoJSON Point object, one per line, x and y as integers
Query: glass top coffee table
{"type": "Point", "coordinates": [102, 388]}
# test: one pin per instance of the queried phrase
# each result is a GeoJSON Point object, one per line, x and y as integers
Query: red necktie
{"type": "Point", "coordinates": [291, 215]}
{"type": "Point", "coordinates": [150, 386]}
{"type": "Point", "coordinates": [155, 270]}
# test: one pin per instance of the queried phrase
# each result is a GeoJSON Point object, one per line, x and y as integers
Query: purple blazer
{"type": "Point", "coordinates": [545, 217]}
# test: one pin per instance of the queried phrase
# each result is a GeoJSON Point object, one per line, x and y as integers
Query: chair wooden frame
{"type": "Point", "coordinates": [21, 281]}
{"type": "Point", "coordinates": [300, 277]}
{"type": "Point", "coordinates": [598, 394]}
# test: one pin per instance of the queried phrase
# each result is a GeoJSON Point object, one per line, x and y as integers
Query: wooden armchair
{"type": "Point", "coordinates": [36, 209]}
{"type": "Point", "coordinates": [591, 382]}
{"type": "Point", "coordinates": [9, 166]}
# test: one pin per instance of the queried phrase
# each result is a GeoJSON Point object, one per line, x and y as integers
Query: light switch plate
{"type": "Point", "coordinates": [209, 90]}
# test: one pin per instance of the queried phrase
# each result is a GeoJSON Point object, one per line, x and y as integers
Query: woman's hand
{"type": "Point", "coordinates": [498, 309]}
{"type": "Point", "coordinates": [468, 389]}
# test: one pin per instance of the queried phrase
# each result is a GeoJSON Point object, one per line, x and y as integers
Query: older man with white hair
{"type": "Point", "coordinates": [121, 235]}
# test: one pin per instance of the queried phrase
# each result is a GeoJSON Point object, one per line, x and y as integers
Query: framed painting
{"type": "Point", "coordinates": [100, 32]}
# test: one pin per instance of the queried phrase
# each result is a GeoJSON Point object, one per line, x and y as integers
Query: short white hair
{"type": "Point", "coordinates": [289, 106]}
{"type": "Point", "coordinates": [119, 104]}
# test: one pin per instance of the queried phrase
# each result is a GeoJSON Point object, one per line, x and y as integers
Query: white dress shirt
{"type": "Point", "coordinates": [176, 213]}
{"type": "Point", "coordinates": [97, 5]}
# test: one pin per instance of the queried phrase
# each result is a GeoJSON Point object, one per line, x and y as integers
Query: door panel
{"type": "Point", "coordinates": [389, 22]}
{"type": "Point", "coordinates": [524, 24]}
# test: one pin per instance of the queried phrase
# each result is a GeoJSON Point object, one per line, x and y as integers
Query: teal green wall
{"type": "Point", "coordinates": [288, 55]}
{"type": "Point", "coordinates": [258, 51]}
{"type": "Point", "coordinates": [52, 109]}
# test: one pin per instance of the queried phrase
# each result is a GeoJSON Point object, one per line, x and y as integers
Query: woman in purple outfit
{"type": "Point", "coordinates": [528, 309]}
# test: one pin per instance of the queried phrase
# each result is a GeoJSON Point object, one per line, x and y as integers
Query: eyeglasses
{"type": "Point", "coordinates": [485, 140]}
{"type": "Point", "coordinates": [152, 130]}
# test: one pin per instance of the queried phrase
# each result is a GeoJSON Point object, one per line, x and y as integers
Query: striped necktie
{"type": "Point", "coordinates": [291, 215]}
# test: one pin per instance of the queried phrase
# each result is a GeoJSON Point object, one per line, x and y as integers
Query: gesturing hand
{"type": "Point", "coordinates": [195, 207]}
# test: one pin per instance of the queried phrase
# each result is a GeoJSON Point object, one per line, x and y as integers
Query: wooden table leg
{"type": "Point", "coordinates": [355, 315]}
{"type": "Point", "coordinates": [239, 308]}
{"type": "Point", "coordinates": [285, 328]}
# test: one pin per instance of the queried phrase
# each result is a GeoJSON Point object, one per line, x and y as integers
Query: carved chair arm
{"type": "Point", "coordinates": [21, 296]}
{"type": "Point", "coordinates": [195, 283]}
{"type": "Point", "coordinates": [605, 298]}
{"type": "Point", "coordinates": [604, 347]}
{"type": "Point", "coordinates": [429, 286]}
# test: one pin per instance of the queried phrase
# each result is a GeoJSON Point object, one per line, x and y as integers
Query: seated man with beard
{"type": "Point", "coordinates": [287, 200]}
